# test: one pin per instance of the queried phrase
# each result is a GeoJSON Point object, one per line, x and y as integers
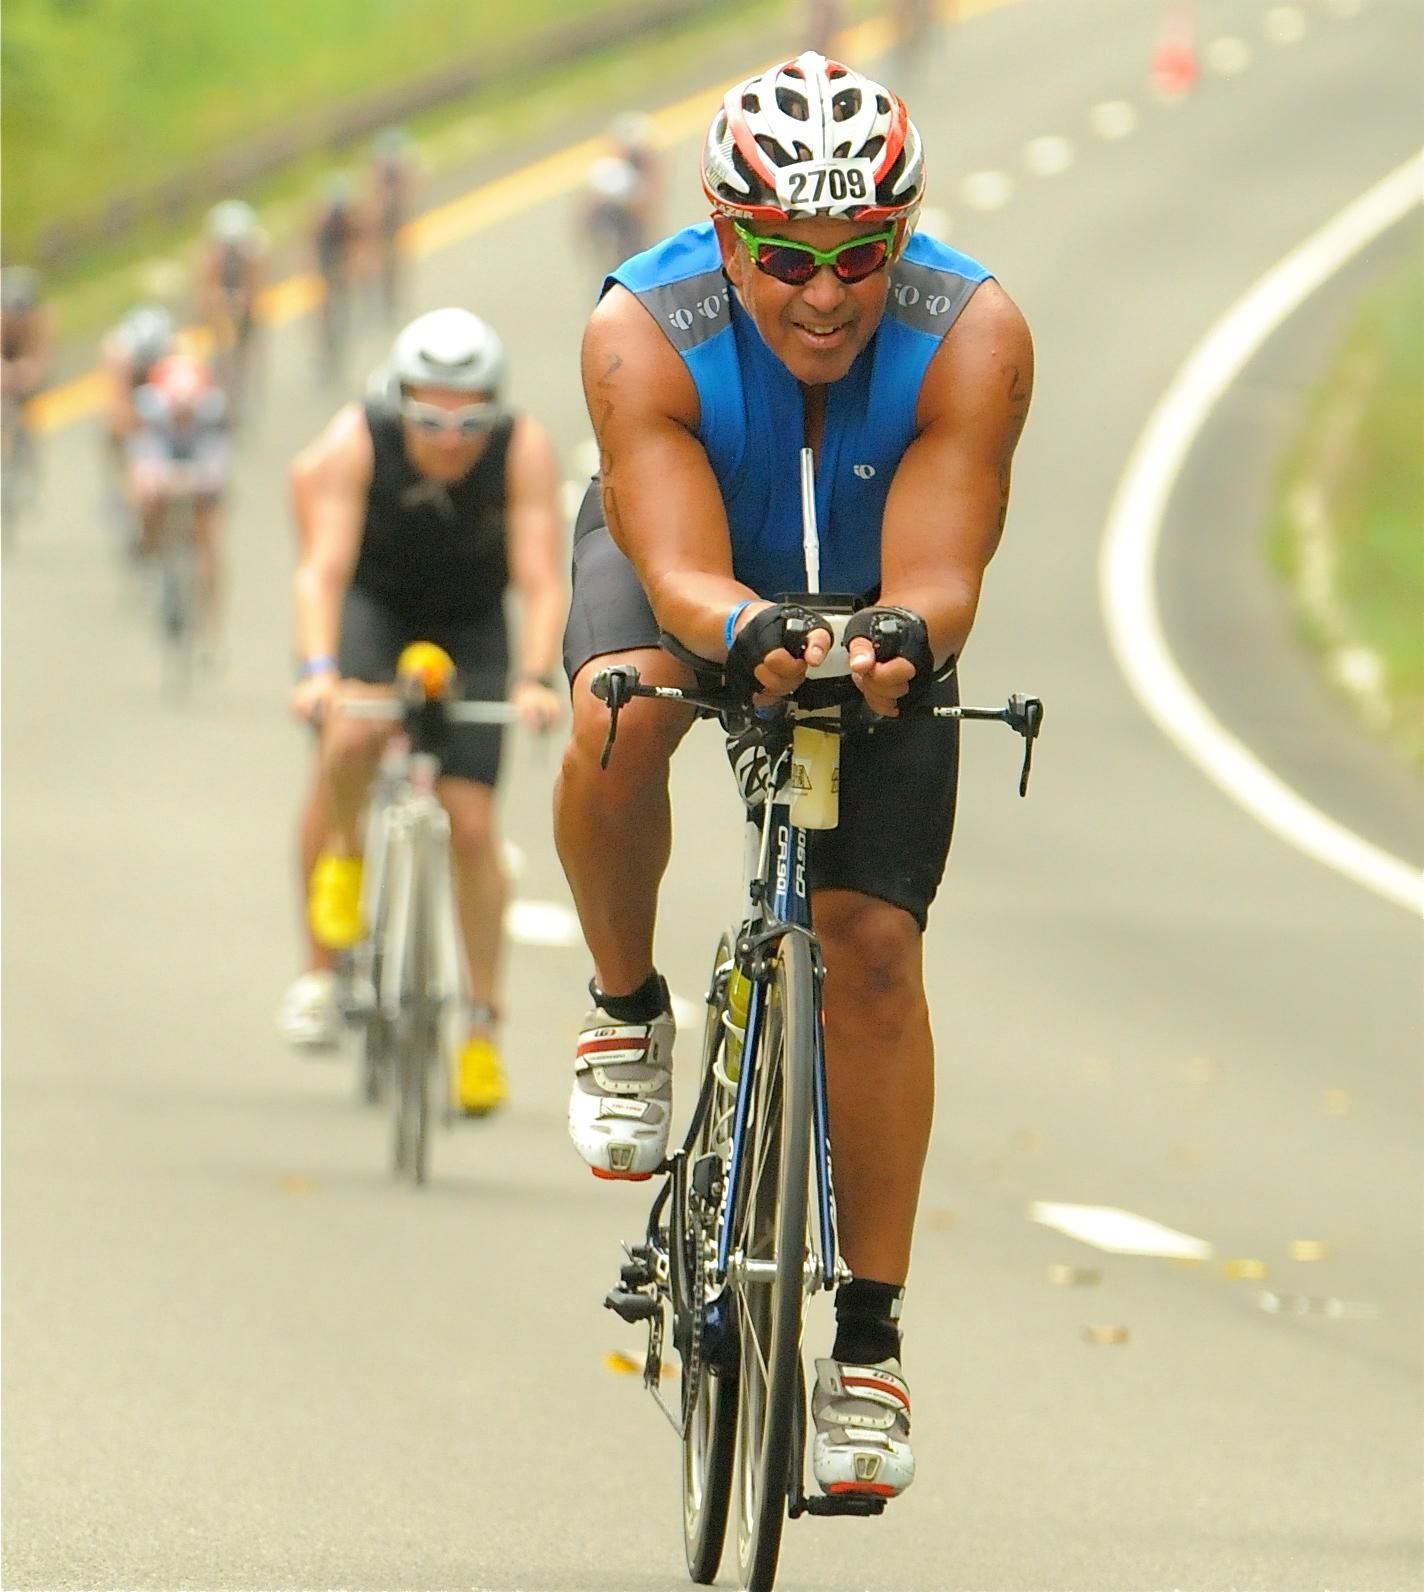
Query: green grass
{"type": "Point", "coordinates": [104, 96]}
{"type": "Point", "coordinates": [1362, 445]}
{"type": "Point", "coordinates": [90, 291]}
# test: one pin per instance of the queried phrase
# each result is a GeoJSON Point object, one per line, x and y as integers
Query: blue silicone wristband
{"type": "Point", "coordinates": [323, 664]}
{"type": "Point", "coordinates": [732, 618]}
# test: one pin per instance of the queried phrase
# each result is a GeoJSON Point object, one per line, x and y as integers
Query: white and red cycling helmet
{"type": "Point", "coordinates": [811, 137]}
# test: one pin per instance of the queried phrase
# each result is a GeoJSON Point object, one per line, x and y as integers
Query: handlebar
{"type": "Point", "coordinates": [619, 684]}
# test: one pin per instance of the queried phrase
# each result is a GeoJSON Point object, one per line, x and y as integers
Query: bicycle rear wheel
{"type": "Point", "coordinates": [771, 1247]}
{"type": "Point", "coordinates": [709, 1389]}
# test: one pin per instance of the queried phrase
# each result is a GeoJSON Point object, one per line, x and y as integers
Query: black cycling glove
{"type": "Point", "coordinates": [782, 625]}
{"type": "Point", "coordinates": [897, 633]}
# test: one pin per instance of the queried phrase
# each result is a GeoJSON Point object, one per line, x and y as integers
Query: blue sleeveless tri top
{"type": "Point", "coordinates": [752, 421]}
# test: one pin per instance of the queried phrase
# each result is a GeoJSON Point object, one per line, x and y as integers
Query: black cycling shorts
{"type": "Point", "coordinates": [373, 636]}
{"type": "Point", "coordinates": [898, 782]}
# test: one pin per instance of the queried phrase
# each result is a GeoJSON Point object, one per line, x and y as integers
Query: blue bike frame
{"type": "Point", "coordinates": [789, 912]}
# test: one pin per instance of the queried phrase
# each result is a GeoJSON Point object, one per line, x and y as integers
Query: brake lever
{"type": "Point", "coordinates": [617, 686]}
{"type": "Point", "coordinates": [1025, 714]}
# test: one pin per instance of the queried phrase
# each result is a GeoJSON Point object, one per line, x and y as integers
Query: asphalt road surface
{"type": "Point", "coordinates": [238, 1356]}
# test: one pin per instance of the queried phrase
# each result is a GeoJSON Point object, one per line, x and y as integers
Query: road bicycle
{"type": "Point", "coordinates": [19, 464]}
{"type": "Point", "coordinates": [742, 1231]}
{"type": "Point", "coordinates": [405, 976]}
{"type": "Point", "coordinates": [177, 608]}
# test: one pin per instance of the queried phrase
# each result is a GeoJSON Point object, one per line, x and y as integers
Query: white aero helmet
{"type": "Point", "coordinates": [232, 221]}
{"type": "Point", "coordinates": [450, 349]}
{"type": "Point", "coordinates": [811, 137]}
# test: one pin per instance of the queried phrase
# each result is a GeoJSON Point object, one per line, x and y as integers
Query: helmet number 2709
{"type": "Point", "coordinates": [825, 182]}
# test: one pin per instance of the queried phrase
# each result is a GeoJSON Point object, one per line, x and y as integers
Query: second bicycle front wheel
{"type": "Point", "coordinates": [770, 1251]}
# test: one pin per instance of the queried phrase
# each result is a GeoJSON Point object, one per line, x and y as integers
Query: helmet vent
{"type": "Point", "coordinates": [872, 147]}
{"type": "Point", "coordinates": [776, 154]}
{"type": "Point", "coordinates": [882, 104]}
{"type": "Point", "coordinates": [752, 103]}
{"type": "Point", "coordinates": [791, 102]}
{"type": "Point", "coordinates": [845, 105]}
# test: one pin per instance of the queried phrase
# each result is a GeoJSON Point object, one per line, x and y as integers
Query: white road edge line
{"type": "Point", "coordinates": [1119, 1232]}
{"type": "Point", "coordinates": [1129, 548]}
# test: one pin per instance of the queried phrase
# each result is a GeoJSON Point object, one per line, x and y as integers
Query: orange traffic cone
{"type": "Point", "coordinates": [1174, 63]}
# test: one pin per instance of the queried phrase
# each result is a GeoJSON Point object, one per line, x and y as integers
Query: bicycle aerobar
{"type": "Point", "coordinates": [621, 683]}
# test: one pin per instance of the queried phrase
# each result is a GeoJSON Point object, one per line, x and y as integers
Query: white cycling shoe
{"type": "Point", "coordinates": [862, 1419]}
{"type": "Point", "coordinates": [620, 1109]}
{"type": "Point", "coordinates": [310, 1015]}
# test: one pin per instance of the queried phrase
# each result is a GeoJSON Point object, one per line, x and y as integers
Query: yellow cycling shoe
{"type": "Point", "coordinates": [480, 1085]}
{"type": "Point", "coordinates": [334, 902]}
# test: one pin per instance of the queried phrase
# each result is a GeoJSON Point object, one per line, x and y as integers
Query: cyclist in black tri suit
{"type": "Point", "coordinates": [232, 271]}
{"type": "Point", "coordinates": [416, 510]}
{"type": "Point", "coordinates": [336, 241]}
{"type": "Point", "coordinates": [392, 182]}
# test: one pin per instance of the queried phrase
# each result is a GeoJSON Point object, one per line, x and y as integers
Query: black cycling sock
{"type": "Point", "coordinates": [866, 1321]}
{"type": "Point", "coordinates": [648, 1001]}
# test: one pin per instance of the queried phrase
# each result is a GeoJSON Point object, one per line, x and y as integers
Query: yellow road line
{"type": "Point", "coordinates": [484, 207]}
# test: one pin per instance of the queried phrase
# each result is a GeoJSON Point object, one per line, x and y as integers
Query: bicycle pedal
{"type": "Point", "coordinates": [860, 1504]}
{"type": "Point", "coordinates": [633, 1307]}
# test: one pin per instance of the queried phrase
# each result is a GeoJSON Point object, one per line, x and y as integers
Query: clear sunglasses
{"type": "Point", "coordinates": [469, 420]}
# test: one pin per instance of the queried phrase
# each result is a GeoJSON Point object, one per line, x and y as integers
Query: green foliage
{"type": "Point", "coordinates": [98, 97]}
{"type": "Point", "coordinates": [1372, 482]}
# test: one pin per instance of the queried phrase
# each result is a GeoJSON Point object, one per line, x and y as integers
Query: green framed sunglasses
{"type": "Point", "coordinates": [796, 263]}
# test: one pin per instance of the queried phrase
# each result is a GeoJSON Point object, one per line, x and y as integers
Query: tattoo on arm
{"type": "Point", "coordinates": [1019, 392]}
{"type": "Point", "coordinates": [601, 412]}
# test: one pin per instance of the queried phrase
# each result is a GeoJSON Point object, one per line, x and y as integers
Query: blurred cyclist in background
{"type": "Point", "coordinates": [337, 237]}
{"type": "Point", "coordinates": [417, 509]}
{"type": "Point", "coordinates": [622, 194]}
{"type": "Point", "coordinates": [26, 350]}
{"type": "Point", "coordinates": [824, 20]}
{"type": "Point", "coordinates": [178, 450]}
{"type": "Point", "coordinates": [232, 271]}
{"type": "Point", "coordinates": [127, 355]}
{"type": "Point", "coordinates": [392, 182]}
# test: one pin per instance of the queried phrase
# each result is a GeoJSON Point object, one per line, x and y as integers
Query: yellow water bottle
{"type": "Point", "coordinates": [739, 999]}
{"type": "Point", "coordinates": [816, 775]}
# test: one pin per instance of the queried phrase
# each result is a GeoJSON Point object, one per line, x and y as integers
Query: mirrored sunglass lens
{"type": "Point", "coordinates": [785, 264]}
{"type": "Point", "coordinates": [858, 261]}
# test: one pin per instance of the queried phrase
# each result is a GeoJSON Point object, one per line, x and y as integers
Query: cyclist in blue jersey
{"type": "Point", "coordinates": [807, 313]}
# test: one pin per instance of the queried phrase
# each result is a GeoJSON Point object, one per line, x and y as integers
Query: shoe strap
{"type": "Point", "coordinates": [851, 1384]}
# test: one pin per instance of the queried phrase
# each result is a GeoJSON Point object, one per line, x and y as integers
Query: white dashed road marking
{"type": "Point", "coordinates": [1046, 157]}
{"type": "Point", "coordinates": [1113, 119]}
{"type": "Point", "coordinates": [1228, 56]}
{"type": "Point", "coordinates": [514, 859]}
{"type": "Point", "coordinates": [1284, 24]}
{"type": "Point", "coordinates": [545, 923]}
{"type": "Point", "coordinates": [1120, 1232]}
{"type": "Point", "coordinates": [935, 222]}
{"type": "Point", "coordinates": [987, 190]}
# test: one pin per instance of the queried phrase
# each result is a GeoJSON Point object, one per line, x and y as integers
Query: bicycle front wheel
{"type": "Point", "coordinates": [709, 1408]}
{"type": "Point", "coordinates": [417, 1036]}
{"type": "Point", "coordinates": [770, 1253]}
